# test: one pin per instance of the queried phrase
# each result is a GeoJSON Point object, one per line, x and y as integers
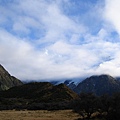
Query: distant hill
{"type": "Point", "coordinates": [40, 92]}
{"type": "Point", "coordinates": [103, 84]}
{"type": "Point", "coordinates": [6, 80]}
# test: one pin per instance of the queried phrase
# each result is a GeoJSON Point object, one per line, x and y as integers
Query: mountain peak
{"type": "Point", "coordinates": [6, 80]}
{"type": "Point", "coordinates": [2, 70]}
{"type": "Point", "coordinates": [99, 84]}
{"type": "Point", "coordinates": [102, 75]}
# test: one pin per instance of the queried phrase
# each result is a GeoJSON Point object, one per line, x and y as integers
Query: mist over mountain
{"type": "Point", "coordinates": [97, 84]}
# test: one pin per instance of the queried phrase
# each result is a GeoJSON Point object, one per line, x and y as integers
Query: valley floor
{"type": "Point", "coordinates": [38, 115]}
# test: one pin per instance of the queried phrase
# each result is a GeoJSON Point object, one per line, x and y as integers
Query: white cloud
{"type": "Point", "coordinates": [39, 41]}
{"type": "Point", "coordinates": [112, 9]}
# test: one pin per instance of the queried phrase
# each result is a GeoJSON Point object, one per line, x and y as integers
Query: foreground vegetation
{"type": "Point", "coordinates": [103, 107]}
{"type": "Point", "coordinates": [45, 96]}
{"type": "Point", "coordinates": [88, 106]}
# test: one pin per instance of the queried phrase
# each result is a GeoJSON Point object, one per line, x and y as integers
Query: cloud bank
{"type": "Point", "coordinates": [52, 39]}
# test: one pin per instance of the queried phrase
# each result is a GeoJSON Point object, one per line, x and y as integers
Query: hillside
{"type": "Point", "coordinates": [103, 84]}
{"type": "Point", "coordinates": [40, 92]}
{"type": "Point", "coordinates": [6, 80]}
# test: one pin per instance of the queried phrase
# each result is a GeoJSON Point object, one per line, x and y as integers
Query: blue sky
{"type": "Point", "coordinates": [60, 39]}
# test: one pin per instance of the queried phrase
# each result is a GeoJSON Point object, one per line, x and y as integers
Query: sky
{"type": "Point", "coordinates": [60, 39]}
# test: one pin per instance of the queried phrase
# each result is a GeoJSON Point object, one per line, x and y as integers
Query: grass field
{"type": "Point", "coordinates": [38, 115]}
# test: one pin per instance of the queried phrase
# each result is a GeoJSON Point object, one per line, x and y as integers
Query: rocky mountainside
{"type": "Point", "coordinates": [103, 84]}
{"type": "Point", "coordinates": [40, 91]}
{"type": "Point", "coordinates": [6, 80]}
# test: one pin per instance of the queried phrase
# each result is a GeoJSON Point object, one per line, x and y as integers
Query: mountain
{"type": "Point", "coordinates": [71, 84]}
{"type": "Point", "coordinates": [40, 91]}
{"type": "Point", "coordinates": [103, 84]}
{"type": "Point", "coordinates": [6, 80]}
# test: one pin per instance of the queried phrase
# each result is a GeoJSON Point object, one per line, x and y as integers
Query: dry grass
{"type": "Point", "coordinates": [38, 115]}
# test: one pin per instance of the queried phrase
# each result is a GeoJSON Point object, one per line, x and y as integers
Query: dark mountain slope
{"type": "Point", "coordinates": [40, 92]}
{"type": "Point", "coordinates": [62, 92]}
{"type": "Point", "coordinates": [6, 80]}
{"type": "Point", "coordinates": [103, 84]}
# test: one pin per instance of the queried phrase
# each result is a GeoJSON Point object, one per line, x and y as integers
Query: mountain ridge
{"type": "Point", "coordinates": [6, 80]}
{"type": "Point", "coordinates": [98, 84]}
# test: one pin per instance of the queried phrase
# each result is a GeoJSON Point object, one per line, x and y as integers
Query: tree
{"type": "Point", "coordinates": [114, 112]}
{"type": "Point", "coordinates": [105, 103]}
{"type": "Point", "coordinates": [86, 105]}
